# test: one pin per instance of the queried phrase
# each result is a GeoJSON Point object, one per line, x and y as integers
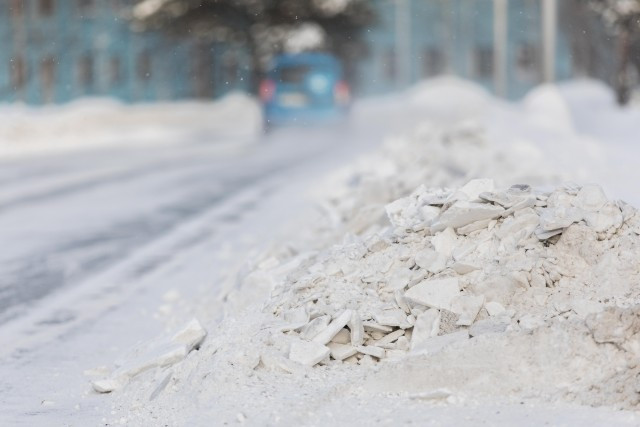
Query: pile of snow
{"type": "Point", "coordinates": [455, 264]}
{"type": "Point", "coordinates": [88, 123]}
{"type": "Point", "coordinates": [444, 269]}
{"type": "Point", "coordinates": [449, 279]}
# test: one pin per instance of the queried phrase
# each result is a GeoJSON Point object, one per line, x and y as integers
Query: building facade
{"type": "Point", "coordinates": [417, 39]}
{"type": "Point", "coordinates": [53, 51]}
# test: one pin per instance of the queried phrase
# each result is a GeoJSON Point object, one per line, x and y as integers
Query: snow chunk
{"type": "Point", "coordinates": [308, 353]}
{"type": "Point", "coordinates": [462, 213]}
{"type": "Point", "coordinates": [436, 293]}
{"type": "Point", "coordinates": [160, 352]}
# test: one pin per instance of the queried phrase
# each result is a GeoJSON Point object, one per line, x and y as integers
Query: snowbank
{"type": "Point", "coordinates": [452, 267]}
{"type": "Point", "coordinates": [88, 123]}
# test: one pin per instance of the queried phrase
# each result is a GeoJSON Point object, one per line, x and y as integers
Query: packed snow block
{"type": "Point", "coordinates": [373, 351]}
{"type": "Point", "coordinates": [314, 327]}
{"type": "Point", "coordinates": [467, 307]}
{"type": "Point", "coordinates": [427, 326]}
{"type": "Point", "coordinates": [334, 327]}
{"type": "Point", "coordinates": [494, 308]}
{"type": "Point", "coordinates": [560, 217]}
{"type": "Point", "coordinates": [356, 328]}
{"type": "Point", "coordinates": [472, 190]}
{"type": "Point", "coordinates": [389, 338]}
{"type": "Point", "coordinates": [431, 261]}
{"type": "Point", "coordinates": [394, 317]}
{"type": "Point", "coordinates": [308, 353]}
{"type": "Point", "coordinates": [342, 337]}
{"type": "Point", "coordinates": [295, 319]}
{"type": "Point", "coordinates": [462, 213]}
{"type": "Point", "coordinates": [435, 293]}
{"type": "Point", "coordinates": [161, 352]}
{"type": "Point", "coordinates": [493, 325]}
{"type": "Point", "coordinates": [341, 351]}
{"type": "Point", "coordinates": [590, 198]}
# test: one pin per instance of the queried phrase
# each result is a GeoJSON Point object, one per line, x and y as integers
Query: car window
{"type": "Point", "coordinates": [294, 73]}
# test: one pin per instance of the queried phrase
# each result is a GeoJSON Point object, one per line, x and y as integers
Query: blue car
{"type": "Point", "coordinates": [306, 88]}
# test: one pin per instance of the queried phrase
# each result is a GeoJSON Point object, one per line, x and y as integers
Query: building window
{"type": "Point", "coordinates": [48, 78]}
{"type": "Point", "coordinates": [115, 71]}
{"type": "Point", "coordinates": [46, 7]}
{"type": "Point", "coordinates": [144, 66]}
{"type": "Point", "coordinates": [202, 67]}
{"type": "Point", "coordinates": [230, 68]}
{"type": "Point", "coordinates": [389, 64]}
{"type": "Point", "coordinates": [483, 61]}
{"type": "Point", "coordinates": [85, 8]}
{"type": "Point", "coordinates": [17, 8]}
{"type": "Point", "coordinates": [527, 61]}
{"type": "Point", "coordinates": [85, 71]}
{"type": "Point", "coordinates": [18, 69]}
{"type": "Point", "coordinates": [433, 61]}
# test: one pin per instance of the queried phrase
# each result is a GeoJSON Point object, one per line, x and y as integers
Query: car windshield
{"type": "Point", "coordinates": [294, 73]}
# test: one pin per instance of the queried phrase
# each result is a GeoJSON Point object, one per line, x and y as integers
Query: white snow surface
{"type": "Point", "coordinates": [545, 350]}
{"type": "Point", "coordinates": [539, 362]}
{"type": "Point", "coordinates": [91, 123]}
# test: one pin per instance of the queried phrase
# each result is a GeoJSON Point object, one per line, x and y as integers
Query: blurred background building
{"type": "Point", "coordinates": [52, 51]}
{"type": "Point", "coordinates": [418, 39]}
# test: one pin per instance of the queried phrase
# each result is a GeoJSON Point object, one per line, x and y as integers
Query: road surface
{"type": "Point", "coordinates": [91, 240]}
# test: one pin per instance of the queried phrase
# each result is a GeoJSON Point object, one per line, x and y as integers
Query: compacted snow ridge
{"type": "Point", "coordinates": [440, 272]}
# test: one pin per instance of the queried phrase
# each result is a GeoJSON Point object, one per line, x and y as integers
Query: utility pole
{"type": "Point", "coordinates": [500, 43]}
{"type": "Point", "coordinates": [549, 35]}
{"type": "Point", "coordinates": [403, 42]}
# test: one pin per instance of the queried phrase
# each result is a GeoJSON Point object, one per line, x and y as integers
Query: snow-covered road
{"type": "Point", "coordinates": [101, 235]}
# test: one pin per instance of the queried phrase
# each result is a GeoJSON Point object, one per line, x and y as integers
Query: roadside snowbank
{"type": "Point", "coordinates": [91, 123]}
{"type": "Point", "coordinates": [425, 284]}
